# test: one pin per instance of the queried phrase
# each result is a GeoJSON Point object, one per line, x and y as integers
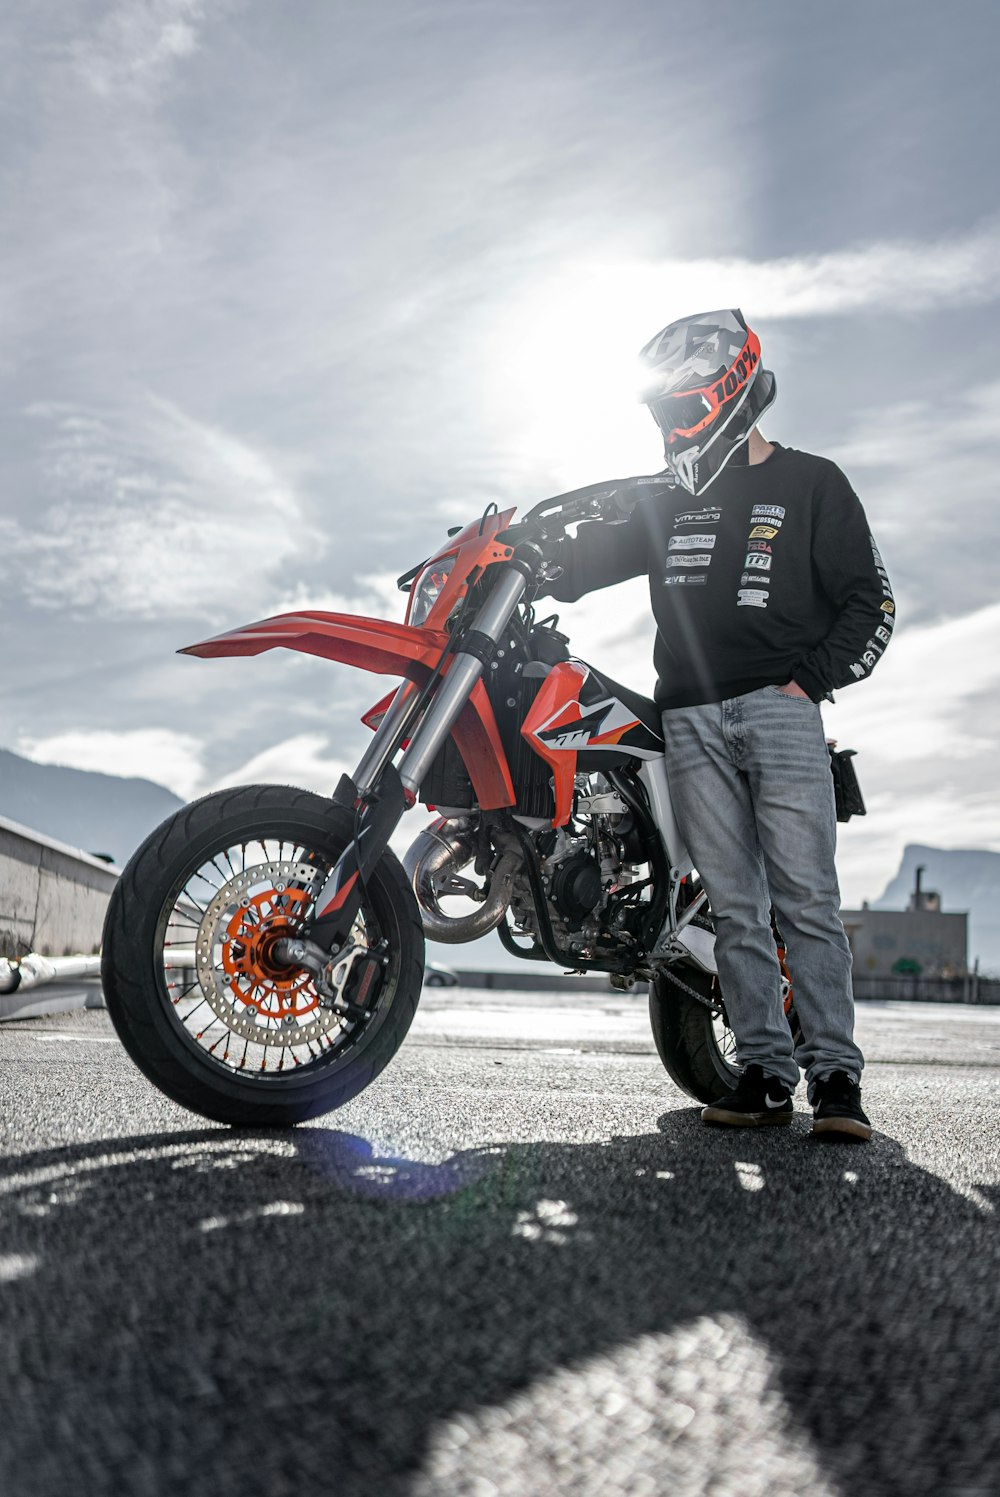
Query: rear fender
{"type": "Point", "coordinates": [388, 649]}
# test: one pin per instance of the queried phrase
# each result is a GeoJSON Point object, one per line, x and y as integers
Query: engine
{"type": "Point", "coordinates": [576, 886]}
{"type": "Point", "coordinates": [581, 865]}
{"type": "Point", "coordinates": [585, 868]}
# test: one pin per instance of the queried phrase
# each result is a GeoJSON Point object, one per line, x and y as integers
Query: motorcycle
{"type": "Point", "coordinates": [263, 951]}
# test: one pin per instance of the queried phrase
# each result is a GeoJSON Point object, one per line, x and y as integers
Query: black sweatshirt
{"type": "Point", "coordinates": [770, 576]}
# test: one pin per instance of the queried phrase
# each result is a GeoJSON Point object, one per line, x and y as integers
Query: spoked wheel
{"type": "Point", "coordinates": [193, 981]}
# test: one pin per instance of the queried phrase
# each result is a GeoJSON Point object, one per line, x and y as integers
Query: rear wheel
{"type": "Point", "coordinates": [190, 976]}
{"type": "Point", "coordinates": [693, 1039]}
{"type": "Point", "coordinates": [692, 1032]}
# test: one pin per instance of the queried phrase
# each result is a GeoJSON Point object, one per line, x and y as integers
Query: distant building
{"type": "Point", "coordinates": [921, 939]}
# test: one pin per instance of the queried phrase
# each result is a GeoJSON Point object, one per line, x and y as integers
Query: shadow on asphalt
{"type": "Point", "coordinates": [212, 1312]}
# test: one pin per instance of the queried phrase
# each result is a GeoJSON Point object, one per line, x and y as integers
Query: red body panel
{"type": "Point", "coordinates": [474, 549]}
{"type": "Point", "coordinates": [387, 649]}
{"type": "Point", "coordinates": [558, 700]}
{"type": "Point", "coordinates": [560, 725]}
{"type": "Point", "coordinates": [372, 644]}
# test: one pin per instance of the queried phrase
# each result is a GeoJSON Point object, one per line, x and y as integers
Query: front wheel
{"type": "Point", "coordinates": [189, 975]}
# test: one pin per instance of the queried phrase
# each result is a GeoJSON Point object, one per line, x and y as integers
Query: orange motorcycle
{"type": "Point", "coordinates": [264, 950]}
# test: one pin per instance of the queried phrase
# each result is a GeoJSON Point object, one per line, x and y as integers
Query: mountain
{"type": "Point", "coordinates": [966, 879]}
{"type": "Point", "coordinates": [100, 813]}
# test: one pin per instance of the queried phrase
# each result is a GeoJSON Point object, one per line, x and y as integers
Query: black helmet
{"type": "Point", "coordinates": [706, 390]}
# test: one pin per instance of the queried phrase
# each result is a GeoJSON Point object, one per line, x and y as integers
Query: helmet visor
{"type": "Point", "coordinates": [683, 415]}
{"type": "Point", "coordinates": [696, 464]}
{"type": "Point", "coordinates": [682, 412]}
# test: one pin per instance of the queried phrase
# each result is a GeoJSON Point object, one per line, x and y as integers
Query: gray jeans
{"type": "Point", "coordinates": [751, 784]}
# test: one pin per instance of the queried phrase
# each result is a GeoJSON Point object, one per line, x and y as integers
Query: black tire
{"type": "Point", "coordinates": [694, 1042]}
{"type": "Point", "coordinates": [153, 901]}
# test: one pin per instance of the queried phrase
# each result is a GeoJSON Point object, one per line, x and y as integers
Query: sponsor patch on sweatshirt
{"type": "Point", "coordinates": [689, 579]}
{"type": "Point", "coordinates": [751, 597]}
{"type": "Point", "coordinates": [775, 511]}
{"type": "Point", "coordinates": [691, 542]}
{"type": "Point", "coordinates": [701, 559]}
{"type": "Point", "coordinates": [758, 561]}
{"type": "Point", "coordinates": [764, 532]}
{"type": "Point", "coordinates": [710, 516]}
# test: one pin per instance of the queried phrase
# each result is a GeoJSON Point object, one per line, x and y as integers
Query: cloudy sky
{"type": "Point", "coordinates": [287, 289]}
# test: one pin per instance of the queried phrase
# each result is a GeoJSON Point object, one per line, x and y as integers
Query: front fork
{"type": "Point", "coordinates": [380, 793]}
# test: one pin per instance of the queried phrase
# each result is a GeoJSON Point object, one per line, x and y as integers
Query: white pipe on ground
{"type": "Point", "coordinates": [33, 971]}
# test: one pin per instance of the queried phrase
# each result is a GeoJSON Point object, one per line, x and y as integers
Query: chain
{"type": "Point", "coordinates": [671, 976]}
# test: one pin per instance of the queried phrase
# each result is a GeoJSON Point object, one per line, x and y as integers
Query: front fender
{"type": "Point", "coordinates": [387, 649]}
{"type": "Point", "coordinates": [377, 645]}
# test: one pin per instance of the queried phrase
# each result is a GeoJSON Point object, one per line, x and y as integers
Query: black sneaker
{"type": "Point", "coordinates": [758, 1101]}
{"type": "Point", "coordinates": [837, 1112]}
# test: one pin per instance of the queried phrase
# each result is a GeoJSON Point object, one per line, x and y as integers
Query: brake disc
{"type": "Point", "coordinates": [247, 988]}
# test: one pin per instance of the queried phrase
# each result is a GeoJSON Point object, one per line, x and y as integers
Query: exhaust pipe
{"type": "Point", "coordinates": [440, 851]}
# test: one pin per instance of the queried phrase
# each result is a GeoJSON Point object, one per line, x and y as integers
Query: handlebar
{"type": "Point", "coordinates": [611, 501]}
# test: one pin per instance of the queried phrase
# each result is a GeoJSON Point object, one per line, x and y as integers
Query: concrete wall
{"type": "Point", "coordinates": [52, 897]}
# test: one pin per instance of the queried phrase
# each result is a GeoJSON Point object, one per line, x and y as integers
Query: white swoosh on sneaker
{"type": "Point", "coordinates": [779, 1103]}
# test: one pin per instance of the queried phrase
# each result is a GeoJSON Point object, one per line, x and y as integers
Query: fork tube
{"type": "Point", "coordinates": [391, 730]}
{"type": "Point", "coordinates": [453, 693]}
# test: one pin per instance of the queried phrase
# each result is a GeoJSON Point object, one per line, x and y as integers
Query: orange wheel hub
{"type": "Point", "coordinates": [256, 978]}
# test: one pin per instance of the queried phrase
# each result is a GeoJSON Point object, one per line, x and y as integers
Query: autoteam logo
{"type": "Point", "coordinates": [691, 542]}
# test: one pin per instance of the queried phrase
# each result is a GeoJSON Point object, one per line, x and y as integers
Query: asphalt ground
{"type": "Point", "coordinates": [517, 1264]}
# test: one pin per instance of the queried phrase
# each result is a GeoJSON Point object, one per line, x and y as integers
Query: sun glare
{"type": "Point", "coordinates": [564, 378]}
{"type": "Point", "coordinates": [563, 374]}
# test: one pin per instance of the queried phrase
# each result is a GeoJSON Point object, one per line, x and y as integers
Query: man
{"type": "Point", "coordinates": [768, 592]}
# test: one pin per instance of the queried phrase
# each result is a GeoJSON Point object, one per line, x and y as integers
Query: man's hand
{"type": "Point", "coordinates": [792, 689]}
